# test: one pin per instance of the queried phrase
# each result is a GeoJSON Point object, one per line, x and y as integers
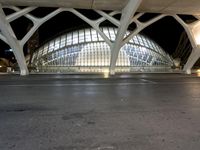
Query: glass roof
{"type": "Point", "coordinates": [86, 47]}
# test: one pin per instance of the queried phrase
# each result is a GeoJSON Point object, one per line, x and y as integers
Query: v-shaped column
{"type": "Point", "coordinates": [193, 32]}
{"type": "Point", "coordinates": [127, 15]}
{"type": "Point", "coordinates": [13, 42]}
{"type": "Point", "coordinates": [195, 55]}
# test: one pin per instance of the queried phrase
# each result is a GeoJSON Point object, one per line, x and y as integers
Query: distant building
{"type": "Point", "coordinates": [85, 51]}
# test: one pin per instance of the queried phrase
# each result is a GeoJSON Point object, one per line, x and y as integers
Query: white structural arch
{"type": "Point", "coordinates": [193, 32]}
{"type": "Point", "coordinates": [127, 17]}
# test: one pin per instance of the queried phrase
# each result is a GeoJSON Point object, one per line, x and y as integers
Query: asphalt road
{"type": "Point", "coordinates": [125, 112]}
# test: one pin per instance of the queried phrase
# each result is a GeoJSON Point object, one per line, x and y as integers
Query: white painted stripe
{"type": "Point", "coordinates": [148, 81]}
{"type": "Point", "coordinates": [98, 84]}
{"type": "Point", "coordinates": [76, 84]}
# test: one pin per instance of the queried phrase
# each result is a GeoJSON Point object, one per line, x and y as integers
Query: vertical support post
{"type": "Point", "coordinates": [13, 42]}
{"type": "Point", "coordinates": [193, 32]}
{"type": "Point", "coordinates": [195, 55]}
{"type": "Point", "coordinates": [127, 14]}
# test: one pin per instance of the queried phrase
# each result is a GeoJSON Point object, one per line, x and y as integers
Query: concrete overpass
{"type": "Point", "coordinates": [127, 8]}
{"type": "Point", "coordinates": [156, 6]}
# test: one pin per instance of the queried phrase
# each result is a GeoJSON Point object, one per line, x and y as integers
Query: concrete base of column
{"type": "Point", "coordinates": [24, 72]}
{"type": "Point", "coordinates": [188, 71]}
{"type": "Point", "coordinates": [192, 60]}
{"type": "Point", "coordinates": [112, 72]}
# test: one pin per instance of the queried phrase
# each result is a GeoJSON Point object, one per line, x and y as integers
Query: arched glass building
{"type": "Point", "coordinates": [85, 51]}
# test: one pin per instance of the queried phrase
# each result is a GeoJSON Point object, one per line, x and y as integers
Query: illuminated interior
{"type": "Point", "coordinates": [85, 51]}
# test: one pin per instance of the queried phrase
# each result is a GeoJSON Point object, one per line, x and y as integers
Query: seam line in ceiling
{"type": "Point", "coordinates": [92, 5]}
{"type": "Point", "coordinates": [170, 4]}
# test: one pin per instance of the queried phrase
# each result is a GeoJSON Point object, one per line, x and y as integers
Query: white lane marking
{"type": "Point", "coordinates": [98, 84]}
{"type": "Point", "coordinates": [75, 84]}
{"type": "Point", "coordinates": [148, 81]}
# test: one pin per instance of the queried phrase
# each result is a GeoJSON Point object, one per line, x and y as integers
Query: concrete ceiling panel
{"type": "Point", "coordinates": [184, 7]}
{"type": "Point", "coordinates": [109, 4]}
{"type": "Point", "coordinates": [85, 4]}
{"type": "Point", "coordinates": [156, 6]}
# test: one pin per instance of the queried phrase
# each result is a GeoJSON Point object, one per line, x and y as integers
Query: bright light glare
{"type": "Point", "coordinates": [106, 73]}
{"type": "Point", "coordinates": [0, 66]}
{"type": "Point", "coordinates": [198, 72]}
{"type": "Point", "coordinates": [197, 38]}
{"type": "Point", "coordinates": [196, 32]}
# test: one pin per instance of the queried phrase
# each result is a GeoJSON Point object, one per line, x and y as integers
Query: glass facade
{"type": "Point", "coordinates": [85, 51]}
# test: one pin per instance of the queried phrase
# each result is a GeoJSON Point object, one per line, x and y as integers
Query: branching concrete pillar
{"type": "Point", "coordinates": [193, 32]}
{"type": "Point", "coordinates": [13, 42]}
{"type": "Point", "coordinates": [127, 15]}
{"type": "Point", "coordinates": [195, 55]}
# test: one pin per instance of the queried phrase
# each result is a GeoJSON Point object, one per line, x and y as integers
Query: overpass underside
{"type": "Point", "coordinates": [127, 9]}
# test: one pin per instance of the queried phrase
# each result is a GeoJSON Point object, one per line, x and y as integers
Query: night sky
{"type": "Point", "coordinates": [165, 32]}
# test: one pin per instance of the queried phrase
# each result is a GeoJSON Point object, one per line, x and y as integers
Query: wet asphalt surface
{"type": "Point", "coordinates": [88, 112]}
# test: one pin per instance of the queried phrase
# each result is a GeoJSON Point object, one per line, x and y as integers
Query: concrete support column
{"type": "Point", "coordinates": [193, 32]}
{"type": "Point", "coordinates": [195, 55]}
{"type": "Point", "coordinates": [112, 72]}
{"type": "Point", "coordinates": [13, 43]}
{"type": "Point", "coordinates": [127, 15]}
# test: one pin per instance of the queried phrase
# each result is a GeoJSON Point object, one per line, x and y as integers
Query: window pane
{"type": "Point", "coordinates": [94, 35]}
{"type": "Point", "coordinates": [63, 40]}
{"type": "Point", "coordinates": [69, 39]}
{"type": "Point", "coordinates": [51, 46]}
{"type": "Point", "coordinates": [75, 37]}
{"type": "Point", "coordinates": [87, 35]}
{"type": "Point", "coordinates": [57, 44]}
{"type": "Point", "coordinates": [81, 36]}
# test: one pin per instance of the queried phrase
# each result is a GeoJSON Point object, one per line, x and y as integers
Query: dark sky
{"type": "Point", "coordinates": [165, 32]}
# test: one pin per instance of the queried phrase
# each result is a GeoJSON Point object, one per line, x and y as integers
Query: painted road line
{"type": "Point", "coordinates": [98, 84]}
{"type": "Point", "coordinates": [149, 81]}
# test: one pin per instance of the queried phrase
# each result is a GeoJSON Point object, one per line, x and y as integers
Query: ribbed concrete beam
{"type": "Point", "coordinates": [127, 15]}
{"type": "Point", "coordinates": [195, 55]}
{"type": "Point", "coordinates": [191, 7]}
{"type": "Point", "coordinates": [193, 32]}
{"type": "Point", "coordinates": [13, 42]}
